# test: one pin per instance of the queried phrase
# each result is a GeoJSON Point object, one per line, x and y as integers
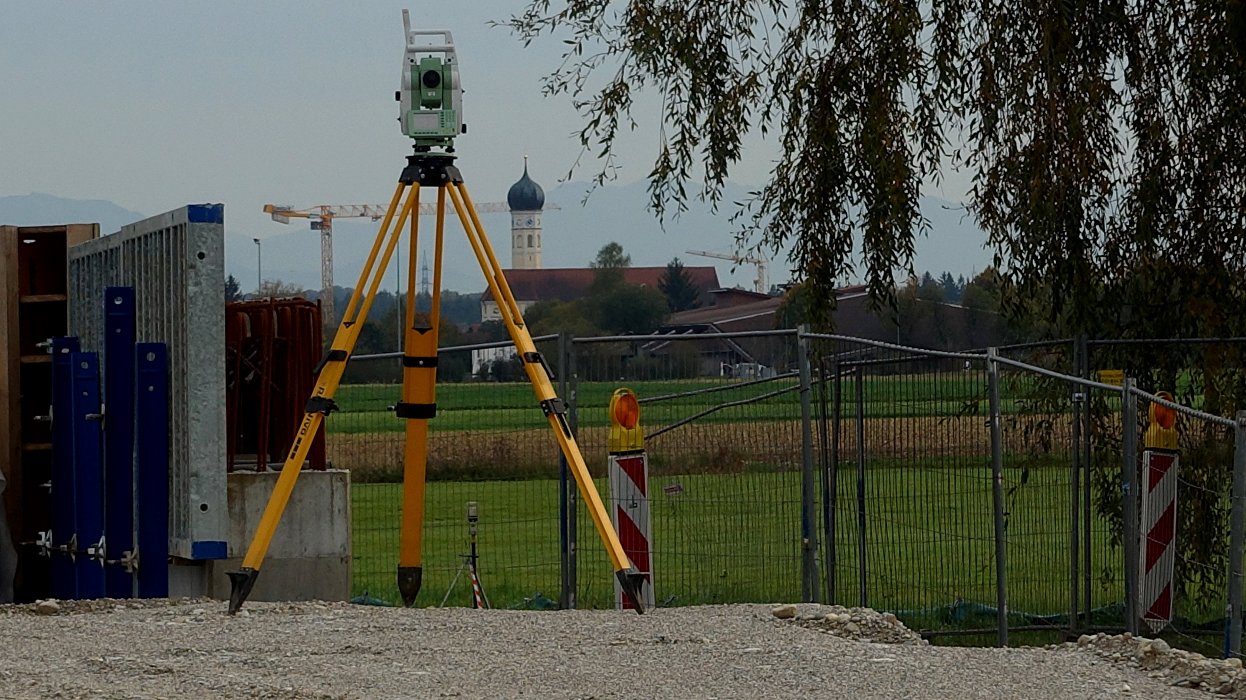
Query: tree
{"type": "Point", "coordinates": [611, 257]}
{"type": "Point", "coordinates": [275, 289]}
{"type": "Point", "coordinates": [629, 309]}
{"type": "Point", "coordinates": [232, 290]}
{"type": "Point", "coordinates": [676, 283]}
{"type": "Point", "coordinates": [1101, 138]}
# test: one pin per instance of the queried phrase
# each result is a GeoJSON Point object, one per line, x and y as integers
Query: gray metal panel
{"type": "Point", "coordinates": [176, 264]}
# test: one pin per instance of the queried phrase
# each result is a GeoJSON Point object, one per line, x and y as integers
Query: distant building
{"type": "Point", "coordinates": [927, 324]}
{"type": "Point", "coordinates": [526, 200]}
{"type": "Point", "coordinates": [569, 283]}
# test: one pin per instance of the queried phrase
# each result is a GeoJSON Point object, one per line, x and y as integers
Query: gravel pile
{"type": "Point", "coordinates": [116, 650]}
{"type": "Point", "coordinates": [1177, 666]}
{"type": "Point", "coordinates": [861, 624]}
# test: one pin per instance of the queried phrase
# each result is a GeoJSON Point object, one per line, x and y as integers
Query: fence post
{"type": "Point", "coordinates": [1075, 492]}
{"type": "Point", "coordinates": [832, 478]}
{"type": "Point", "coordinates": [997, 497]}
{"type": "Point", "coordinates": [1083, 370]}
{"type": "Point", "coordinates": [863, 599]}
{"type": "Point", "coordinates": [1237, 535]}
{"type": "Point", "coordinates": [808, 527]}
{"type": "Point", "coordinates": [567, 510]}
{"type": "Point", "coordinates": [1129, 500]}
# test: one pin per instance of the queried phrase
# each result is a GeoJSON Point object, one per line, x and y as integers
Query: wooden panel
{"type": "Point", "coordinates": [77, 233]}
{"type": "Point", "coordinates": [34, 284]}
{"type": "Point", "coordinates": [10, 423]}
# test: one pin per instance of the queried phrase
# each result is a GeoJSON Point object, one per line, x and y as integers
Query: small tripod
{"type": "Point", "coordinates": [470, 560]}
{"type": "Point", "coordinates": [425, 169]}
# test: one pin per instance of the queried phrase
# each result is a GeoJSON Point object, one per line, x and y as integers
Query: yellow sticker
{"type": "Point", "coordinates": [1112, 376]}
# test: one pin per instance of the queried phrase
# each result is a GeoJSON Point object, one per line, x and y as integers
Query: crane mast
{"type": "Point", "coordinates": [321, 219]}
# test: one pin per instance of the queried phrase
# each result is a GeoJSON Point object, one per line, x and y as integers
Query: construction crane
{"type": "Point", "coordinates": [759, 282]}
{"type": "Point", "coordinates": [321, 217]}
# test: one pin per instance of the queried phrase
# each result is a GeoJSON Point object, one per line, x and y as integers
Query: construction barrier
{"type": "Point", "coordinates": [628, 470]}
{"type": "Point", "coordinates": [1160, 468]}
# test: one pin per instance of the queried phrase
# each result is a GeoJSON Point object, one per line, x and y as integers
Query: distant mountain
{"type": "Point", "coordinates": [617, 213]}
{"type": "Point", "coordinates": [38, 209]}
{"type": "Point", "coordinates": [571, 237]}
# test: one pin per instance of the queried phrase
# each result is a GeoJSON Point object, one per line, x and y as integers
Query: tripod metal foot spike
{"type": "Point", "coordinates": [409, 581]}
{"type": "Point", "coordinates": [631, 580]}
{"type": "Point", "coordinates": [240, 584]}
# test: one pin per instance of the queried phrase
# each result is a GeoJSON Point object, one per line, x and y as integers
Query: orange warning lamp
{"type": "Point", "coordinates": [1162, 432]}
{"type": "Point", "coordinates": [625, 434]}
{"type": "Point", "coordinates": [1164, 416]}
{"type": "Point", "coordinates": [624, 409]}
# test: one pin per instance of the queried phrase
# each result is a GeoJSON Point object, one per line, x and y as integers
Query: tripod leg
{"type": "Point", "coordinates": [329, 375]}
{"type": "Point", "coordinates": [419, 377]}
{"type": "Point", "coordinates": [540, 376]}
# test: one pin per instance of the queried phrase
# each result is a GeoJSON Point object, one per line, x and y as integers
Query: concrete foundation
{"type": "Point", "coordinates": [310, 555]}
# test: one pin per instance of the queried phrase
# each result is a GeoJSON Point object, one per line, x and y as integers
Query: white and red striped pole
{"type": "Point", "coordinates": [628, 472]}
{"type": "Point", "coordinates": [1160, 464]}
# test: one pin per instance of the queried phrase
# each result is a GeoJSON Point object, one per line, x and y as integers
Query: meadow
{"type": "Point", "coordinates": [725, 497]}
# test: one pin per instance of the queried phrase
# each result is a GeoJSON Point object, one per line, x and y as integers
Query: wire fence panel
{"type": "Point", "coordinates": [910, 462]}
{"type": "Point", "coordinates": [489, 444]}
{"type": "Point", "coordinates": [891, 493]}
{"type": "Point", "coordinates": [722, 420]}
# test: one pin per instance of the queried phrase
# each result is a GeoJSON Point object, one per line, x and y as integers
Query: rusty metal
{"type": "Point", "coordinates": [272, 349]}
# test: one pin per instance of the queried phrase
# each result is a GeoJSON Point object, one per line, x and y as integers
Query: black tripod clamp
{"type": "Point", "coordinates": [429, 169]}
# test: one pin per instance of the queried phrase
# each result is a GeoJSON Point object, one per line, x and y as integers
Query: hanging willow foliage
{"type": "Point", "coordinates": [1104, 140]}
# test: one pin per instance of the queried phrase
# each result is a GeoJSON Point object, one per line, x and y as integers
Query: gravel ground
{"type": "Point", "coordinates": [192, 649]}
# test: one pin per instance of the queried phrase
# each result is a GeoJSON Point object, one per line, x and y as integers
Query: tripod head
{"type": "Point", "coordinates": [429, 94]}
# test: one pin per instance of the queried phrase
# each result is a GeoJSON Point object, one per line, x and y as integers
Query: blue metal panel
{"type": "Point", "coordinates": [151, 454]}
{"type": "Point", "coordinates": [88, 471]}
{"type": "Point", "coordinates": [118, 436]}
{"type": "Point", "coordinates": [205, 213]}
{"type": "Point", "coordinates": [209, 549]}
{"type": "Point", "coordinates": [64, 583]}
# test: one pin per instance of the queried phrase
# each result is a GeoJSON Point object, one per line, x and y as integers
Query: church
{"type": "Point", "coordinates": [531, 282]}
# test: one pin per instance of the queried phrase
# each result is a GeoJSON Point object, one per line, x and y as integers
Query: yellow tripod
{"type": "Point", "coordinates": [424, 169]}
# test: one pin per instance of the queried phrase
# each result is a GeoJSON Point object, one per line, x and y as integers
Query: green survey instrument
{"type": "Point", "coordinates": [430, 96]}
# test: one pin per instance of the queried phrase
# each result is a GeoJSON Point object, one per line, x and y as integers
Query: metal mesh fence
{"type": "Point", "coordinates": [489, 445]}
{"type": "Point", "coordinates": [872, 475]}
{"type": "Point", "coordinates": [723, 424]}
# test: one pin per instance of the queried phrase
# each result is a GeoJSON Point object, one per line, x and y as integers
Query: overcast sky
{"type": "Point", "coordinates": [157, 104]}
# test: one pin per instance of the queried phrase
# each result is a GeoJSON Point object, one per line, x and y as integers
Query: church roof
{"type": "Point", "coordinates": [525, 195]}
{"type": "Point", "coordinates": [568, 283]}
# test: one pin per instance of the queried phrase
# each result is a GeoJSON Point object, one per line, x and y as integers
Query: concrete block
{"type": "Point", "coordinates": [310, 555]}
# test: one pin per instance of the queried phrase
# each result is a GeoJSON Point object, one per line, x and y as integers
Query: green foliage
{"type": "Point", "coordinates": [611, 257]}
{"type": "Point", "coordinates": [1102, 139]}
{"type": "Point", "coordinates": [610, 308]}
{"type": "Point", "coordinates": [677, 285]}
{"type": "Point", "coordinates": [232, 290]}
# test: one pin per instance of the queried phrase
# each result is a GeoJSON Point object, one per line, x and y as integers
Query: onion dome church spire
{"type": "Point", "coordinates": [526, 199]}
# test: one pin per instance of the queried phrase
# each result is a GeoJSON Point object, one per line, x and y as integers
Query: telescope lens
{"type": "Point", "coordinates": [431, 79]}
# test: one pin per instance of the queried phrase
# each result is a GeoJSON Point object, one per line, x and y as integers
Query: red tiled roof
{"type": "Point", "coordinates": [567, 283]}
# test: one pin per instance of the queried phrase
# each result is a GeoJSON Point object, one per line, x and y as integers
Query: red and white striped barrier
{"type": "Point", "coordinates": [628, 472]}
{"type": "Point", "coordinates": [1158, 526]}
{"type": "Point", "coordinates": [478, 595]}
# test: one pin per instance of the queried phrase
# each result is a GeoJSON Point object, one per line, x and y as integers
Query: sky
{"type": "Point", "coordinates": [157, 104]}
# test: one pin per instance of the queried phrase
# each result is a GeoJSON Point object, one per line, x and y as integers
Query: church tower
{"type": "Point", "coordinates": [525, 198]}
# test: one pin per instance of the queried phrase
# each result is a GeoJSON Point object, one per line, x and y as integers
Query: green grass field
{"type": "Point", "coordinates": [511, 405]}
{"type": "Point", "coordinates": [735, 538]}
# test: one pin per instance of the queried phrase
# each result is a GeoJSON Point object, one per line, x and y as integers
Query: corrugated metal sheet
{"type": "Point", "coordinates": [176, 264]}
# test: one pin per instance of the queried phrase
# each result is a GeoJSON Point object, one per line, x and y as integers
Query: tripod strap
{"type": "Point", "coordinates": [415, 410]}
